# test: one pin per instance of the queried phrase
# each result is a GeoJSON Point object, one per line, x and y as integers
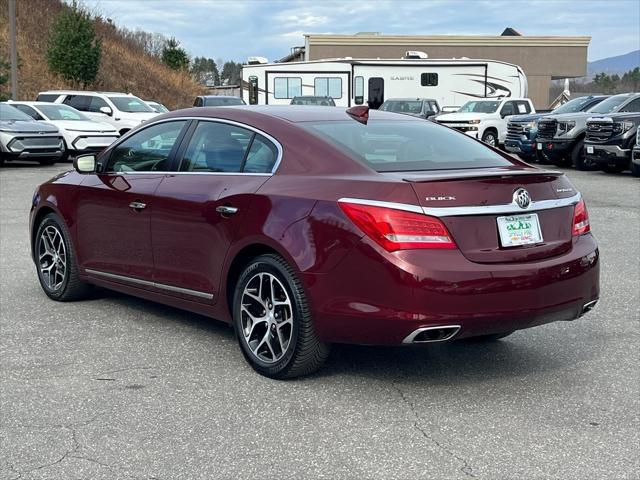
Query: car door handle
{"type": "Point", "coordinates": [138, 205]}
{"type": "Point", "coordinates": [226, 210]}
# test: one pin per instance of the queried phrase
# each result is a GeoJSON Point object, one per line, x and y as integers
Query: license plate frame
{"type": "Point", "coordinates": [519, 230]}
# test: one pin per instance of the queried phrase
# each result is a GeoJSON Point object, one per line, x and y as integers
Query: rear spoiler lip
{"type": "Point", "coordinates": [468, 210]}
{"type": "Point", "coordinates": [476, 174]}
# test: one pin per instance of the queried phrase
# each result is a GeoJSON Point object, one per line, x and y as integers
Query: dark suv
{"type": "Point", "coordinates": [217, 101]}
{"type": "Point", "coordinates": [610, 140]}
{"type": "Point", "coordinates": [316, 100]}
{"type": "Point", "coordinates": [561, 137]}
{"type": "Point", "coordinates": [635, 156]}
{"type": "Point", "coordinates": [522, 130]}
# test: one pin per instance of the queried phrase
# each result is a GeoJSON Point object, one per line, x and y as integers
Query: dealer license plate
{"type": "Point", "coordinates": [590, 149]}
{"type": "Point", "coordinates": [519, 230]}
{"type": "Point", "coordinates": [539, 146]}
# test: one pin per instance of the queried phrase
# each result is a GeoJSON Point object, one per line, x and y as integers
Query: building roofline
{"type": "Point", "coordinates": [448, 40]}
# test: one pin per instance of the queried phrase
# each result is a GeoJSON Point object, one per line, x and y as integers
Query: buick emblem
{"type": "Point", "coordinates": [522, 198]}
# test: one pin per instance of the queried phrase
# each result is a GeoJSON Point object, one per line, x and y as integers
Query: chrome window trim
{"type": "Point", "coordinates": [147, 283]}
{"type": "Point", "coordinates": [471, 209]}
{"type": "Point", "coordinates": [151, 123]}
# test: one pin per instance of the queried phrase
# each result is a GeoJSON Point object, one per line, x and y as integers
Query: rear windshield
{"type": "Point", "coordinates": [404, 146]}
{"type": "Point", "coordinates": [402, 106]}
{"type": "Point", "coordinates": [224, 101]}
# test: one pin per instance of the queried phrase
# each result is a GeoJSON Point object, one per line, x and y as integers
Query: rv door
{"type": "Point", "coordinates": [376, 92]}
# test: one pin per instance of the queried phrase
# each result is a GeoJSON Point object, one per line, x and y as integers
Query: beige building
{"type": "Point", "coordinates": [542, 58]}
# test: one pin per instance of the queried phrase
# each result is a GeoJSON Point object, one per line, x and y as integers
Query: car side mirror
{"type": "Point", "coordinates": [429, 113]}
{"type": "Point", "coordinates": [85, 163]}
{"type": "Point", "coordinates": [106, 110]}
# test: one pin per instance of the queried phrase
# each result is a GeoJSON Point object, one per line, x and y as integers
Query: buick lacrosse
{"type": "Point", "coordinates": [306, 226]}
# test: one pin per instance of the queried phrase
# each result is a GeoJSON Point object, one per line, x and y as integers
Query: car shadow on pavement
{"type": "Point", "coordinates": [451, 363]}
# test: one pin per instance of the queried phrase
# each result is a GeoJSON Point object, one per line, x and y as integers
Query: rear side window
{"type": "Point", "coordinates": [632, 106]}
{"type": "Point", "coordinates": [216, 147]}
{"type": "Point", "coordinates": [403, 146]}
{"type": "Point", "coordinates": [47, 97]}
{"type": "Point", "coordinates": [96, 104]}
{"type": "Point", "coordinates": [261, 157]}
{"type": "Point", "coordinates": [79, 102]}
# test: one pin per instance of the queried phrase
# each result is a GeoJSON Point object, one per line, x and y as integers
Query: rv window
{"type": "Point", "coordinates": [328, 87]}
{"type": "Point", "coordinates": [429, 79]}
{"type": "Point", "coordinates": [287, 87]}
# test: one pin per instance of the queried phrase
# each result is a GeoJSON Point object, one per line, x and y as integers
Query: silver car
{"type": "Point", "coordinates": [22, 138]}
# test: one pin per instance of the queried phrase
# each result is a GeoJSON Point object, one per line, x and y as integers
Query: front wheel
{"type": "Point", "coordinates": [635, 169]}
{"type": "Point", "coordinates": [56, 261]}
{"type": "Point", "coordinates": [490, 138]}
{"type": "Point", "coordinates": [579, 160]}
{"type": "Point", "coordinates": [272, 320]}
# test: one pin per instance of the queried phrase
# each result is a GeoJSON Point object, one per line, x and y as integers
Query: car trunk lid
{"type": "Point", "coordinates": [469, 203]}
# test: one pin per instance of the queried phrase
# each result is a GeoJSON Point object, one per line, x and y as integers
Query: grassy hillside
{"type": "Point", "coordinates": [124, 66]}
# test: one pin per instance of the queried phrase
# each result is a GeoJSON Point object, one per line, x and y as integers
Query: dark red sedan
{"type": "Point", "coordinates": [304, 226]}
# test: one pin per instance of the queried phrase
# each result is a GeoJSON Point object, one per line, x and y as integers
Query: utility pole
{"type": "Point", "coordinates": [14, 50]}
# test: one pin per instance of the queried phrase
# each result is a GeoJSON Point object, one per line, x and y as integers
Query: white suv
{"type": "Point", "coordinates": [122, 110]}
{"type": "Point", "coordinates": [486, 119]}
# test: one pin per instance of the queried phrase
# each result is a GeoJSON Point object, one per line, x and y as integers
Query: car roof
{"type": "Point", "coordinates": [290, 113]}
{"type": "Point", "coordinates": [35, 104]}
{"type": "Point", "coordinates": [84, 92]}
{"type": "Point", "coordinates": [410, 99]}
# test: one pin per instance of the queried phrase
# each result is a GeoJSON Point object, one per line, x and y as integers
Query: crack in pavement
{"type": "Point", "coordinates": [466, 468]}
{"type": "Point", "coordinates": [70, 453]}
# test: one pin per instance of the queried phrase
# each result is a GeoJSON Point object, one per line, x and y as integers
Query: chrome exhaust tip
{"type": "Point", "coordinates": [587, 307]}
{"type": "Point", "coordinates": [432, 334]}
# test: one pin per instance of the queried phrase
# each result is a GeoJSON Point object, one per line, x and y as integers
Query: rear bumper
{"type": "Point", "coordinates": [608, 154]}
{"type": "Point", "coordinates": [374, 297]}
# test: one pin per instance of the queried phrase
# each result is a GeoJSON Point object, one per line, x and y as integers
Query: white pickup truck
{"type": "Point", "coordinates": [486, 119]}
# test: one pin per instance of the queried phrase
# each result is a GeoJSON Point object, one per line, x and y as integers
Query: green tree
{"type": "Point", "coordinates": [231, 73]}
{"type": "Point", "coordinates": [204, 71]}
{"type": "Point", "coordinates": [74, 50]}
{"type": "Point", "coordinates": [174, 56]}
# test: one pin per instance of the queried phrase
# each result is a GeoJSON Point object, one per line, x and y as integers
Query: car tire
{"type": "Point", "coordinates": [635, 169]}
{"type": "Point", "coordinates": [54, 254]}
{"type": "Point", "coordinates": [579, 160]}
{"type": "Point", "coordinates": [612, 168]}
{"type": "Point", "coordinates": [490, 138]}
{"type": "Point", "coordinates": [272, 320]}
{"type": "Point", "coordinates": [47, 161]}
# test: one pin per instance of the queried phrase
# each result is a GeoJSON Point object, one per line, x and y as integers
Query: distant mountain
{"type": "Point", "coordinates": [619, 64]}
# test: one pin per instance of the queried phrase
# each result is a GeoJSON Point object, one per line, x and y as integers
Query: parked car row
{"type": "Point", "coordinates": [588, 133]}
{"type": "Point", "coordinates": [62, 124]}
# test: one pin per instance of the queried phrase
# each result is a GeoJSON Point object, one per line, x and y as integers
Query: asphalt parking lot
{"type": "Point", "coordinates": [117, 387]}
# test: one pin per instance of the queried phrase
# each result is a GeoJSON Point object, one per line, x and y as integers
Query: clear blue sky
{"type": "Point", "coordinates": [239, 28]}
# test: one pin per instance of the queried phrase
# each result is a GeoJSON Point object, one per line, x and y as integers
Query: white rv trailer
{"type": "Point", "coordinates": [356, 82]}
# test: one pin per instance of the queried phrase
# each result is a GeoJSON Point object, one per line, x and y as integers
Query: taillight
{"type": "Point", "coordinates": [397, 229]}
{"type": "Point", "coordinates": [580, 219]}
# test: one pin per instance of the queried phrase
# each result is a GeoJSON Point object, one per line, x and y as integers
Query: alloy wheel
{"type": "Point", "coordinates": [266, 317]}
{"type": "Point", "coordinates": [52, 258]}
